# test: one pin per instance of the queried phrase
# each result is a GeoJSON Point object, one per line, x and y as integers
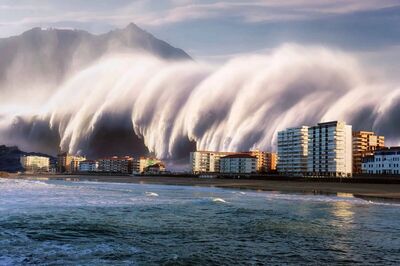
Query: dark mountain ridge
{"type": "Point", "coordinates": [46, 56]}
{"type": "Point", "coordinates": [10, 158]}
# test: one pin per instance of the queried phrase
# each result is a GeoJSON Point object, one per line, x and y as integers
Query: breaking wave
{"type": "Point", "coordinates": [219, 200]}
{"type": "Point", "coordinates": [124, 101]}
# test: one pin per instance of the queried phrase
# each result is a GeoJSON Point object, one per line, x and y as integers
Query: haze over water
{"type": "Point", "coordinates": [71, 223]}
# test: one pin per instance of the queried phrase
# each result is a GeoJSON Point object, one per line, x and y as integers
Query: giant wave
{"type": "Point", "coordinates": [175, 107]}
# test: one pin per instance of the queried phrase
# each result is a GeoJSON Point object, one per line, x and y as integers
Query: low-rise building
{"type": "Point", "coordinates": [209, 161]}
{"type": "Point", "coordinates": [32, 163]}
{"type": "Point", "coordinates": [385, 161]}
{"type": "Point", "coordinates": [88, 166]}
{"type": "Point", "coordinates": [116, 164]}
{"type": "Point", "coordinates": [239, 163]}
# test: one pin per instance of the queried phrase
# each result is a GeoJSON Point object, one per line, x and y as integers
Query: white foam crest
{"type": "Point", "coordinates": [219, 200]}
{"type": "Point", "coordinates": [151, 194]}
{"type": "Point", "coordinates": [16, 195]}
{"type": "Point", "coordinates": [321, 198]}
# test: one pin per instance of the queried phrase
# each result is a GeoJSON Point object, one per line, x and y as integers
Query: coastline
{"type": "Point", "coordinates": [361, 190]}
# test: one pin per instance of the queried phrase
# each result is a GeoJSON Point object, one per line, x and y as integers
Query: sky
{"type": "Point", "coordinates": [217, 30]}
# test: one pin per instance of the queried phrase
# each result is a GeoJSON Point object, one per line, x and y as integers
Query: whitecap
{"type": "Point", "coordinates": [151, 194]}
{"type": "Point", "coordinates": [219, 200]}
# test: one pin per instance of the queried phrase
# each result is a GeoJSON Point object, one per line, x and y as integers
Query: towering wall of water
{"type": "Point", "coordinates": [124, 101]}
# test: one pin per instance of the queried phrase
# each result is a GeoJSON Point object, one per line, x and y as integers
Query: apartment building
{"type": "Point", "coordinates": [293, 151]}
{"type": "Point", "coordinates": [67, 163]}
{"type": "Point", "coordinates": [88, 166]}
{"type": "Point", "coordinates": [74, 165]}
{"type": "Point", "coordinates": [266, 161]}
{"type": "Point", "coordinates": [364, 144]}
{"type": "Point", "coordinates": [32, 163]}
{"type": "Point", "coordinates": [209, 161]}
{"type": "Point", "coordinates": [206, 161]}
{"type": "Point", "coordinates": [240, 163]}
{"type": "Point", "coordinates": [330, 149]}
{"type": "Point", "coordinates": [115, 164]}
{"type": "Point", "coordinates": [271, 162]}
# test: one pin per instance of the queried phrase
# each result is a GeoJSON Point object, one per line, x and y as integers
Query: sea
{"type": "Point", "coordinates": [94, 223]}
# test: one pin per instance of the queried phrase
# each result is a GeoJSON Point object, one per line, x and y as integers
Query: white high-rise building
{"type": "Point", "coordinates": [292, 151]}
{"type": "Point", "coordinates": [330, 149]}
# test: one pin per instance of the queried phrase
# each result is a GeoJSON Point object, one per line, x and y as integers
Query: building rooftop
{"type": "Point", "coordinates": [88, 161]}
{"type": "Point", "coordinates": [239, 155]}
{"type": "Point", "coordinates": [117, 158]}
{"type": "Point", "coordinates": [221, 152]}
{"type": "Point", "coordinates": [329, 123]}
{"type": "Point", "coordinates": [387, 149]}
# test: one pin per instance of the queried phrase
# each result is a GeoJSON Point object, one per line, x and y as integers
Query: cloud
{"type": "Point", "coordinates": [22, 8]}
{"type": "Point", "coordinates": [261, 11]}
{"type": "Point", "coordinates": [170, 12]}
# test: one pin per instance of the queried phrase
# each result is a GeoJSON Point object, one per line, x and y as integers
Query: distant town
{"type": "Point", "coordinates": [329, 149]}
{"type": "Point", "coordinates": [74, 164]}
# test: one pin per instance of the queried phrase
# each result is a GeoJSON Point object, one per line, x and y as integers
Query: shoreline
{"type": "Point", "coordinates": [360, 190]}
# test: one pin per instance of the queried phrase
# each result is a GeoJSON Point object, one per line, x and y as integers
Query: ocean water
{"type": "Point", "coordinates": [89, 223]}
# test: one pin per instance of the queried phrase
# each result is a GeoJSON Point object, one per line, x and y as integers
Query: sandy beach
{"type": "Point", "coordinates": [365, 190]}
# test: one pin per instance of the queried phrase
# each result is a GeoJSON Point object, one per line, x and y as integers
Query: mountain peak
{"type": "Point", "coordinates": [132, 36]}
{"type": "Point", "coordinates": [51, 53]}
{"type": "Point", "coordinates": [133, 26]}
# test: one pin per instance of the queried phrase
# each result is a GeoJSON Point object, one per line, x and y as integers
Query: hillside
{"type": "Point", "coordinates": [10, 156]}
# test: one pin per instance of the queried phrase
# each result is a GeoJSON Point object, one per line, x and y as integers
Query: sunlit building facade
{"type": "Point", "coordinates": [67, 163]}
{"type": "Point", "coordinates": [206, 161]}
{"type": "Point", "coordinates": [266, 161]}
{"type": "Point", "coordinates": [364, 144]}
{"type": "Point", "coordinates": [115, 164]}
{"type": "Point", "coordinates": [293, 151]}
{"type": "Point", "coordinates": [330, 151]}
{"type": "Point", "coordinates": [32, 163]}
{"type": "Point", "coordinates": [74, 165]}
{"type": "Point", "coordinates": [209, 161]}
